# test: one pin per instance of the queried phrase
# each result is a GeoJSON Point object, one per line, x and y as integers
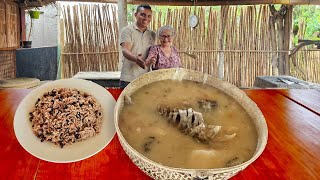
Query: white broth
{"type": "Point", "coordinates": [153, 136]}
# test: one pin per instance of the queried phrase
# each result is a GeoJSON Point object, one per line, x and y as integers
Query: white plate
{"type": "Point", "coordinates": [76, 151]}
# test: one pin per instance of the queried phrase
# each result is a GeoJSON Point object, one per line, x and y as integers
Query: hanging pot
{"type": "Point", "coordinates": [34, 14]}
{"type": "Point", "coordinates": [26, 44]}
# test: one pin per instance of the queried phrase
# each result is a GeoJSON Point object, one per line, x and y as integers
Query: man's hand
{"type": "Point", "coordinates": [125, 47]}
{"type": "Point", "coordinates": [139, 61]}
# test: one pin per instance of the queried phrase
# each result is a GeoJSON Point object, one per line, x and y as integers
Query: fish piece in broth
{"type": "Point", "coordinates": [207, 105]}
{"type": "Point", "coordinates": [191, 122]}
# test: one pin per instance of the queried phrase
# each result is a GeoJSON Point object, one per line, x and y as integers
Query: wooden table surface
{"type": "Point", "coordinates": [292, 152]}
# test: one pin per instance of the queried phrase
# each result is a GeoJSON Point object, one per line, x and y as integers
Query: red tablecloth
{"type": "Point", "coordinates": [292, 152]}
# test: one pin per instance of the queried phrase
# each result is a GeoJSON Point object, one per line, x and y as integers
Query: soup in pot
{"type": "Point", "coordinates": [186, 124]}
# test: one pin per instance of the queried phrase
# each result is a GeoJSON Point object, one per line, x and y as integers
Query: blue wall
{"type": "Point", "coordinates": [40, 63]}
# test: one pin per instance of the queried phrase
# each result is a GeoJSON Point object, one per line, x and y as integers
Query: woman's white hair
{"type": "Point", "coordinates": [164, 28]}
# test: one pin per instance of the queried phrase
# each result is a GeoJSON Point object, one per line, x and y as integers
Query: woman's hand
{"type": "Point", "coordinates": [151, 61]}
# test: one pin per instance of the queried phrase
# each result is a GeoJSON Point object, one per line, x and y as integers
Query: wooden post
{"type": "Point", "coordinates": [275, 70]}
{"type": "Point", "coordinates": [223, 17]}
{"type": "Point", "coordinates": [283, 36]}
{"type": "Point", "coordinates": [122, 19]}
{"type": "Point", "coordinates": [22, 23]}
{"type": "Point", "coordinates": [61, 43]}
{"type": "Point", "coordinates": [287, 38]}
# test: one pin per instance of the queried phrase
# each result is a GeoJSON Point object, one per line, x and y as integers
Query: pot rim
{"type": "Point", "coordinates": [262, 135]}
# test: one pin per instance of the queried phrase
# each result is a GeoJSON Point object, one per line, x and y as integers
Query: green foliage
{"type": "Point", "coordinates": [130, 12]}
{"type": "Point", "coordinates": [131, 9]}
{"type": "Point", "coordinates": [310, 14]}
{"type": "Point", "coordinates": [163, 9]}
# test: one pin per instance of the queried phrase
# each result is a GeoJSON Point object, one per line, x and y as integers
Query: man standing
{"type": "Point", "coordinates": [135, 41]}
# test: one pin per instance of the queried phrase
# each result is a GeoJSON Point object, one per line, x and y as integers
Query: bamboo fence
{"type": "Point", "coordinates": [9, 39]}
{"type": "Point", "coordinates": [307, 65]}
{"type": "Point", "coordinates": [9, 25]}
{"type": "Point", "coordinates": [306, 62]}
{"type": "Point", "coordinates": [89, 38]}
{"type": "Point", "coordinates": [238, 34]}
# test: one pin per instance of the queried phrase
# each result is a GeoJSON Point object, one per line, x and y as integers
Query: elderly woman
{"type": "Point", "coordinates": [164, 55]}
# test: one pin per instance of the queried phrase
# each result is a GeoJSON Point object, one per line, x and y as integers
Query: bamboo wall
{"type": "Point", "coordinates": [247, 49]}
{"type": "Point", "coordinates": [9, 38]}
{"type": "Point", "coordinates": [7, 64]}
{"type": "Point", "coordinates": [89, 38]}
{"type": "Point", "coordinates": [305, 64]}
{"type": "Point", "coordinates": [247, 42]}
{"type": "Point", "coordinates": [9, 25]}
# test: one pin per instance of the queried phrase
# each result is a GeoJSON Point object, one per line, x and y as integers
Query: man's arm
{"type": "Point", "coordinates": [125, 48]}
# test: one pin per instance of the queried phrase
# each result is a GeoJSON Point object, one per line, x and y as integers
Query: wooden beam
{"type": "Point", "coordinates": [9, 48]}
{"type": "Point", "coordinates": [199, 2]}
{"type": "Point", "coordinates": [223, 18]}
{"type": "Point", "coordinates": [122, 14]}
{"type": "Point", "coordinates": [300, 2]}
{"type": "Point", "coordinates": [223, 2]}
{"type": "Point", "coordinates": [11, 2]}
{"type": "Point", "coordinates": [22, 23]}
{"type": "Point", "coordinates": [287, 36]}
{"type": "Point", "coordinates": [123, 22]}
{"type": "Point", "coordinates": [315, 2]}
{"type": "Point", "coordinates": [301, 44]}
{"type": "Point", "coordinates": [280, 17]}
{"type": "Point", "coordinates": [190, 3]}
{"type": "Point", "coordinates": [182, 2]}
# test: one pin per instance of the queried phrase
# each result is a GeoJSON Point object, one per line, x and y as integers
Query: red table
{"type": "Point", "coordinates": [292, 152]}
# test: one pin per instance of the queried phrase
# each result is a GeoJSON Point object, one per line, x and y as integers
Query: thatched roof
{"type": "Point", "coordinates": [37, 3]}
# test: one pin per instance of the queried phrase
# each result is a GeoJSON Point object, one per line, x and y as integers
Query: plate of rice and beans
{"type": "Point", "coordinates": [65, 120]}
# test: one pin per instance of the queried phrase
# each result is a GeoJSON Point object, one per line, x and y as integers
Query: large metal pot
{"type": "Point", "coordinates": [158, 171]}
